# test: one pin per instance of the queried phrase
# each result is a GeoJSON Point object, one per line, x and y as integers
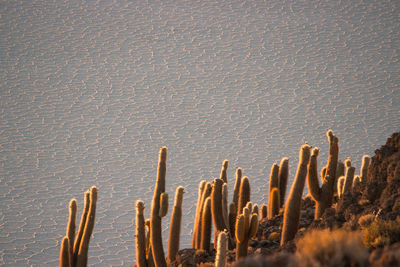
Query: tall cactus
{"type": "Point", "coordinates": [220, 258]}
{"type": "Point", "coordinates": [291, 215]}
{"type": "Point", "coordinates": [198, 210]}
{"type": "Point", "coordinates": [283, 179]}
{"type": "Point", "coordinates": [323, 196]}
{"type": "Point", "coordinates": [198, 223]}
{"type": "Point", "coordinates": [246, 228]}
{"type": "Point", "coordinates": [206, 224]}
{"type": "Point", "coordinates": [155, 219]}
{"type": "Point", "coordinates": [88, 230]}
{"type": "Point", "coordinates": [244, 194]}
{"type": "Point", "coordinates": [217, 208]}
{"type": "Point", "coordinates": [236, 189]}
{"type": "Point", "coordinates": [175, 225]}
{"type": "Point", "coordinates": [140, 235]}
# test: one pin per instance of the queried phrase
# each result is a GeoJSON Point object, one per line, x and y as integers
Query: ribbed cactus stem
{"type": "Point", "coordinates": [205, 238]}
{"type": "Point", "coordinates": [273, 178]}
{"type": "Point", "coordinates": [244, 194]}
{"type": "Point", "coordinates": [264, 211]}
{"type": "Point", "coordinates": [224, 168]}
{"type": "Point", "coordinates": [175, 225]}
{"type": "Point", "coordinates": [87, 233]}
{"type": "Point", "coordinates": [71, 229]}
{"type": "Point", "coordinates": [340, 186]}
{"type": "Point", "coordinates": [273, 203]}
{"type": "Point", "coordinates": [291, 215]}
{"type": "Point", "coordinates": [236, 189]}
{"type": "Point", "coordinates": [198, 208]}
{"type": "Point", "coordinates": [155, 219]}
{"type": "Point", "coordinates": [140, 235]}
{"type": "Point", "coordinates": [312, 176]}
{"type": "Point", "coordinates": [64, 252]}
{"type": "Point", "coordinates": [220, 258]}
{"type": "Point", "coordinates": [283, 179]}
{"type": "Point", "coordinates": [349, 176]}
{"type": "Point", "coordinates": [364, 168]}
{"type": "Point", "coordinates": [198, 226]}
{"type": "Point", "coordinates": [329, 179]}
{"type": "Point", "coordinates": [82, 224]}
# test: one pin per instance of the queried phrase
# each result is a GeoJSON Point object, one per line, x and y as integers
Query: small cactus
{"type": "Point", "coordinates": [64, 252]}
{"type": "Point", "coordinates": [220, 258]}
{"type": "Point", "coordinates": [273, 203]}
{"type": "Point", "coordinates": [175, 225]}
{"type": "Point", "coordinates": [364, 168]}
{"type": "Point", "coordinates": [291, 215]}
{"type": "Point", "coordinates": [264, 211]}
{"type": "Point", "coordinates": [224, 168]}
{"type": "Point", "coordinates": [340, 186]}
{"type": "Point", "coordinates": [246, 228]}
{"type": "Point", "coordinates": [349, 176]}
{"type": "Point", "coordinates": [273, 178]}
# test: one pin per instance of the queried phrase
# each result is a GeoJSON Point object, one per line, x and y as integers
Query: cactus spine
{"type": "Point", "coordinates": [64, 252]}
{"type": "Point", "coordinates": [273, 203]}
{"type": "Point", "coordinates": [140, 235]}
{"type": "Point", "coordinates": [155, 220]}
{"type": "Point", "coordinates": [291, 215]}
{"type": "Point", "coordinates": [246, 228]}
{"type": "Point", "coordinates": [175, 225]}
{"type": "Point", "coordinates": [282, 179]}
{"type": "Point", "coordinates": [323, 196]}
{"type": "Point", "coordinates": [206, 226]}
{"type": "Point", "coordinates": [220, 258]}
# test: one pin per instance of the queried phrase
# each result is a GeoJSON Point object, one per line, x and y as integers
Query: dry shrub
{"type": "Point", "coordinates": [366, 220]}
{"type": "Point", "coordinates": [381, 233]}
{"type": "Point", "coordinates": [331, 248]}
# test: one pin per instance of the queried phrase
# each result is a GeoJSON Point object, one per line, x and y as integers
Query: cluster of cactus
{"type": "Point", "coordinates": [277, 187]}
{"type": "Point", "coordinates": [74, 248]}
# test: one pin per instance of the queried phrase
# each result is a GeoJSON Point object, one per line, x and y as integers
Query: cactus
{"type": "Point", "coordinates": [149, 253]}
{"type": "Point", "coordinates": [291, 215]}
{"type": "Point", "coordinates": [175, 225]}
{"type": "Point", "coordinates": [236, 189]}
{"type": "Point", "coordinates": [323, 196]}
{"type": "Point", "coordinates": [340, 186]}
{"type": "Point", "coordinates": [217, 208]}
{"type": "Point", "coordinates": [264, 211]}
{"type": "Point", "coordinates": [232, 217]}
{"type": "Point", "coordinates": [64, 252]}
{"type": "Point", "coordinates": [273, 203]}
{"type": "Point", "coordinates": [255, 209]}
{"type": "Point", "coordinates": [198, 210]}
{"type": "Point", "coordinates": [364, 168]}
{"type": "Point", "coordinates": [273, 178]}
{"type": "Point", "coordinates": [89, 225]}
{"type": "Point", "coordinates": [246, 228]}
{"type": "Point", "coordinates": [349, 176]}
{"type": "Point", "coordinates": [244, 194]}
{"type": "Point", "coordinates": [81, 227]}
{"type": "Point", "coordinates": [220, 258]}
{"type": "Point", "coordinates": [282, 179]}
{"type": "Point", "coordinates": [198, 223]}
{"type": "Point", "coordinates": [224, 168]}
{"type": "Point", "coordinates": [206, 226]}
{"type": "Point", "coordinates": [140, 235]}
{"type": "Point", "coordinates": [339, 173]}
{"type": "Point", "coordinates": [155, 219]}
{"type": "Point", "coordinates": [71, 229]}
{"type": "Point", "coordinates": [225, 207]}
{"type": "Point", "coordinates": [356, 183]}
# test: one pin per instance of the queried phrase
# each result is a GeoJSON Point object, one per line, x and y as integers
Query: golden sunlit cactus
{"type": "Point", "coordinates": [348, 182]}
{"type": "Point", "coordinates": [273, 203]}
{"type": "Point", "coordinates": [175, 225]}
{"type": "Point", "coordinates": [273, 178]}
{"type": "Point", "coordinates": [223, 174]}
{"type": "Point", "coordinates": [140, 235]}
{"type": "Point", "coordinates": [82, 224]}
{"type": "Point", "coordinates": [205, 238]}
{"type": "Point", "coordinates": [71, 229]}
{"type": "Point", "coordinates": [282, 179]}
{"type": "Point", "coordinates": [246, 228]}
{"type": "Point", "coordinates": [88, 230]}
{"type": "Point", "coordinates": [323, 195]}
{"type": "Point", "coordinates": [155, 219]}
{"type": "Point", "coordinates": [244, 194]}
{"type": "Point", "coordinates": [222, 244]}
{"type": "Point", "coordinates": [198, 223]}
{"type": "Point", "coordinates": [291, 215]}
{"type": "Point", "coordinates": [364, 168]}
{"type": "Point", "coordinates": [64, 252]}
{"type": "Point", "coordinates": [217, 208]}
{"type": "Point", "coordinates": [236, 189]}
{"type": "Point", "coordinates": [198, 211]}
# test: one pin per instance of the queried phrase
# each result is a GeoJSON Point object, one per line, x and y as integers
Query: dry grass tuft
{"type": "Point", "coordinates": [381, 233]}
